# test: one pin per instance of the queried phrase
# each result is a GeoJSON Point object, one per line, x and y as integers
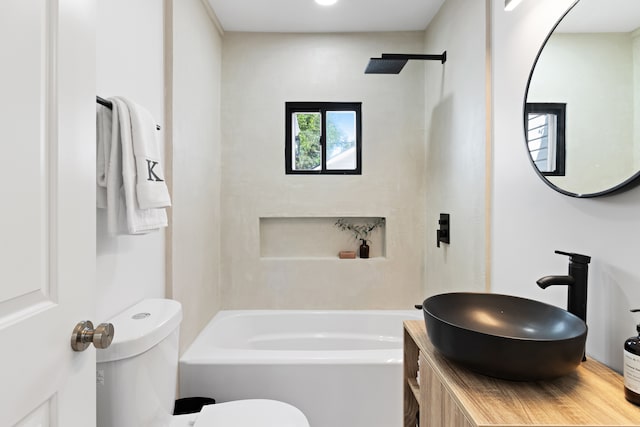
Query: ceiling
{"type": "Point", "coordinates": [596, 16]}
{"type": "Point", "coordinates": [305, 16]}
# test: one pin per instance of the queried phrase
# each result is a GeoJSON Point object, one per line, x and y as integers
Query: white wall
{"type": "Point", "coordinates": [129, 63]}
{"type": "Point", "coordinates": [530, 220]}
{"type": "Point", "coordinates": [260, 73]}
{"type": "Point", "coordinates": [456, 142]}
{"type": "Point", "coordinates": [194, 248]}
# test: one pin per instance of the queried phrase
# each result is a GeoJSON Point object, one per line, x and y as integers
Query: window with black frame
{"type": "Point", "coordinates": [323, 138]}
{"type": "Point", "coordinates": [546, 137]}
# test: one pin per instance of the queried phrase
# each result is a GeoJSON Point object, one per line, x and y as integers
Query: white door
{"type": "Point", "coordinates": [47, 211]}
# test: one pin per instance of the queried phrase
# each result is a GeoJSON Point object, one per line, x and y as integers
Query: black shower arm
{"type": "Point", "coordinates": [401, 56]}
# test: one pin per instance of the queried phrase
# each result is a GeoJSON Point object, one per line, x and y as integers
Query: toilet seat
{"type": "Point", "coordinates": [245, 413]}
{"type": "Point", "coordinates": [187, 420]}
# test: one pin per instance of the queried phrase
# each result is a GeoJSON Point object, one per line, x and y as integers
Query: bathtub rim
{"type": "Point", "coordinates": [199, 353]}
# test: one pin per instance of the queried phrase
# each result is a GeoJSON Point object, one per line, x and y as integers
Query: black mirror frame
{"type": "Point", "coordinates": [627, 184]}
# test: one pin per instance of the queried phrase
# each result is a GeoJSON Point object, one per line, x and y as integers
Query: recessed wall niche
{"type": "Point", "coordinates": [315, 237]}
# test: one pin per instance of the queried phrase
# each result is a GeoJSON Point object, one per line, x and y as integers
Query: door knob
{"type": "Point", "coordinates": [84, 334]}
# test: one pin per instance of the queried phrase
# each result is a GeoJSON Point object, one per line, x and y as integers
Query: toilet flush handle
{"type": "Point", "coordinates": [84, 334]}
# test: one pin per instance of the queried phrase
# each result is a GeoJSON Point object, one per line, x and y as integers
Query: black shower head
{"type": "Point", "coordinates": [392, 63]}
{"type": "Point", "coordinates": [385, 66]}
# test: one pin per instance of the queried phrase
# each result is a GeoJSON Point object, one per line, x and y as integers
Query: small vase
{"type": "Point", "coordinates": [364, 249]}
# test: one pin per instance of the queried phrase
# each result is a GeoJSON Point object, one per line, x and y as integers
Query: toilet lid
{"type": "Point", "coordinates": [251, 413]}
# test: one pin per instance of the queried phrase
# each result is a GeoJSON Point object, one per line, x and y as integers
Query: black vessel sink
{"type": "Point", "coordinates": [505, 336]}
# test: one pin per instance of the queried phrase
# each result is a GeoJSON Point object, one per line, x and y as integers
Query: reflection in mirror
{"type": "Point", "coordinates": [545, 136]}
{"type": "Point", "coordinates": [589, 65]}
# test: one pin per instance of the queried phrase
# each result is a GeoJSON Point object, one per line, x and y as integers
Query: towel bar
{"type": "Point", "coordinates": [109, 105]}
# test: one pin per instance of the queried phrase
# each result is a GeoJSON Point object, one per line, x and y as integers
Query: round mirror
{"type": "Point", "coordinates": [582, 104]}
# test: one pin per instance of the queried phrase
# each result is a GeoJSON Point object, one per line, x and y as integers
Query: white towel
{"type": "Point", "coordinates": [103, 139]}
{"type": "Point", "coordinates": [139, 220]}
{"type": "Point", "coordinates": [151, 189]}
{"type": "Point", "coordinates": [109, 170]}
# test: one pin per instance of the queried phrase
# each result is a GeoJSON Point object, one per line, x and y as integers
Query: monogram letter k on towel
{"type": "Point", "coordinates": [145, 191]}
{"type": "Point", "coordinates": [150, 186]}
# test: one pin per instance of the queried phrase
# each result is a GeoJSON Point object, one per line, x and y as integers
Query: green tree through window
{"type": "Point", "coordinates": [308, 150]}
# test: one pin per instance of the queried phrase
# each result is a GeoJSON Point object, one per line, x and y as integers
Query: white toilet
{"type": "Point", "coordinates": [136, 378]}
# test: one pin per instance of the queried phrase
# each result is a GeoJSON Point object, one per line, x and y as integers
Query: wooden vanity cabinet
{"type": "Point", "coordinates": [411, 387]}
{"type": "Point", "coordinates": [442, 408]}
{"type": "Point", "coordinates": [449, 395]}
{"type": "Point", "coordinates": [429, 392]}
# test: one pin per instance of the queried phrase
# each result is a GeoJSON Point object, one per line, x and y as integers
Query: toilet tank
{"type": "Point", "coordinates": [136, 375]}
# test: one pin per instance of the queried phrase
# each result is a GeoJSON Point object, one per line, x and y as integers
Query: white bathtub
{"type": "Point", "coordinates": [341, 368]}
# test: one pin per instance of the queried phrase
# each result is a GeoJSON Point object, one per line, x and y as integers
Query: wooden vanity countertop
{"type": "Point", "coordinates": [592, 395]}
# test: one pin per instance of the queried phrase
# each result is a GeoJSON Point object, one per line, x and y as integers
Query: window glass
{"type": "Point", "coordinates": [341, 140]}
{"type": "Point", "coordinates": [306, 141]}
{"type": "Point", "coordinates": [541, 128]}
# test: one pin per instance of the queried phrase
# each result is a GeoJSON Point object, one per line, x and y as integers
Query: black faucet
{"type": "Point", "coordinates": [576, 282]}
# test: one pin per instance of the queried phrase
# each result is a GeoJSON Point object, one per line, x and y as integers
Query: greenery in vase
{"type": "Point", "coordinates": [359, 231]}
